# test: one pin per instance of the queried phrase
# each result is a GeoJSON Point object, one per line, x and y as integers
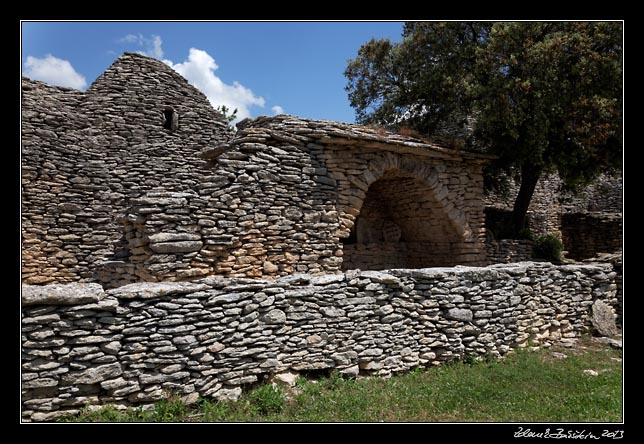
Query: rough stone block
{"type": "Point", "coordinates": [61, 294]}
{"type": "Point", "coordinates": [603, 318]}
{"type": "Point", "coordinates": [176, 247]}
{"type": "Point", "coordinates": [93, 375]}
{"type": "Point", "coordinates": [459, 314]}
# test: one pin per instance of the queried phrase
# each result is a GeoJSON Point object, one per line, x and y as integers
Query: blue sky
{"type": "Point", "coordinates": [261, 68]}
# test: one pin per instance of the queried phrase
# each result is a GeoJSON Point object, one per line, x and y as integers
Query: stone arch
{"type": "Point", "coordinates": [400, 215]}
{"type": "Point", "coordinates": [423, 172]}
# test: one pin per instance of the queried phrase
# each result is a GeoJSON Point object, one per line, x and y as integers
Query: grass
{"type": "Point", "coordinates": [527, 386]}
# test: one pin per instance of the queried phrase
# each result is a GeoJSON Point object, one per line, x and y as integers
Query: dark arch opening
{"type": "Point", "coordinates": [170, 119]}
{"type": "Point", "coordinates": [400, 225]}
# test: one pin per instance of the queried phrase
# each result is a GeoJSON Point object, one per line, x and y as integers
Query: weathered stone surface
{"type": "Point", "coordinates": [428, 355]}
{"type": "Point", "coordinates": [51, 416]}
{"type": "Point", "coordinates": [113, 384]}
{"type": "Point", "coordinates": [327, 279]}
{"type": "Point", "coordinates": [332, 312]}
{"type": "Point", "coordinates": [379, 277]}
{"type": "Point", "coordinates": [615, 343]}
{"type": "Point", "coordinates": [345, 358]}
{"type": "Point", "coordinates": [146, 290]}
{"type": "Point", "coordinates": [228, 394]}
{"type": "Point", "coordinates": [353, 370]}
{"type": "Point", "coordinates": [275, 316]}
{"type": "Point", "coordinates": [40, 382]}
{"type": "Point", "coordinates": [111, 347]}
{"type": "Point", "coordinates": [172, 237]}
{"type": "Point", "coordinates": [61, 294]}
{"type": "Point", "coordinates": [176, 247]}
{"type": "Point", "coordinates": [184, 340]}
{"type": "Point", "coordinates": [603, 318]}
{"type": "Point", "coordinates": [176, 339]}
{"type": "Point", "coordinates": [270, 267]}
{"type": "Point", "coordinates": [93, 375]}
{"type": "Point", "coordinates": [286, 378]}
{"type": "Point", "coordinates": [459, 314]}
{"type": "Point", "coordinates": [190, 399]}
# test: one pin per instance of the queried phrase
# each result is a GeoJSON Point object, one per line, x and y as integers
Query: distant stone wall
{"type": "Point", "coordinates": [588, 223]}
{"type": "Point", "coordinates": [504, 251]}
{"type": "Point", "coordinates": [135, 344]}
{"type": "Point", "coordinates": [544, 212]}
{"type": "Point", "coordinates": [604, 195]}
{"type": "Point", "coordinates": [138, 128]}
{"type": "Point", "coordinates": [587, 234]}
{"type": "Point", "coordinates": [550, 202]}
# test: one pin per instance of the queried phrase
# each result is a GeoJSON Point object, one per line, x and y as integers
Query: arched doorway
{"type": "Point", "coordinates": [401, 225]}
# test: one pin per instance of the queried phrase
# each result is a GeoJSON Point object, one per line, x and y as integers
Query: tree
{"type": "Point", "coordinates": [420, 82]}
{"type": "Point", "coordinates": [225, 111]}
{"type": "Point", "coordinates": [545, 97]}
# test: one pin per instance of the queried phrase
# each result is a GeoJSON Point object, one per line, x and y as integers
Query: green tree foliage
{"type": "Point", "coordinates": [225, 111]}
{"type": "Point", "coordinates": [548, 247]}
{"type": "Point", "coordinates": [545, 97]}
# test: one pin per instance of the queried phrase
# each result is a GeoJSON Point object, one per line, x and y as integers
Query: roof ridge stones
{"type": "Point", "coordinates": [299, 131]}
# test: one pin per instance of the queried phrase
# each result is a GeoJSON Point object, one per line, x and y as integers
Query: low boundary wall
{"type": "Point", "coordinates": [135, 344]}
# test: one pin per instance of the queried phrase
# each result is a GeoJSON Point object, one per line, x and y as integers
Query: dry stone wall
{"type": "Point", "coordinates": [605, 195]}
{"type": "Point", "coordinates": [587, 234]}
{"type": "Point", "coordinates": [550, 202]}
{"type": "Point", "coordinates": [505, 251]}
{"type": "Point", "coordinates": [589, 222]}
{"type": "Point", "coordinates": [133, 345]}
{"type": "Point", "coordinates": [544, 212]}
{"type": "Point", "coordinates": [616, 262]}
{"type": "Point", "coordinates": [139, 179]}
{"type": "Point", "coordinates": [85, 155]}
{"type": "Point", "coordinates": [284, 196]}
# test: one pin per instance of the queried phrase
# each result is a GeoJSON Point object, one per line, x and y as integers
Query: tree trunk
{"type": "Point", "coordinates": [529, 178]}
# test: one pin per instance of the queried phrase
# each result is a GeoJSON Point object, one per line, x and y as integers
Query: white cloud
{"type": "Point", "coordinates": [152, 46]}
{"type": "Point", "coordinates": [54, 71]}
{"type": "Point", "coordinates": [200, 69]}
{"type": "Point", "coordinates": [156, 50]}
{"type": "Point", "coordinates": [132, 38]}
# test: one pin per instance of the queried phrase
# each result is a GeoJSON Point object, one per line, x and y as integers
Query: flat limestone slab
{"type": "Point", "coordinates": [61, 294]}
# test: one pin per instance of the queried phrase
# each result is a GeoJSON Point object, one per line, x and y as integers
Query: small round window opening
{"type": "Point", "coordinates": [170, 119]}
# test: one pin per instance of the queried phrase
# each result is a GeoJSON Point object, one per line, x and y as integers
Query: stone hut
{"type": "Point", "coordinates": [139, 179]}
{"type": "Point", "coordinates": [139, 127]}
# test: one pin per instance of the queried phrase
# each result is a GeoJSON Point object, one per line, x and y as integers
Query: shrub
{"type": "Point", "coordinates": [267, 399]}
{"type": "Point", "coordinates": [526, 234]}
{"type": "Point", "coordinates": [169, 410]}
{"type": "Point", "coordinates": [548, 247]}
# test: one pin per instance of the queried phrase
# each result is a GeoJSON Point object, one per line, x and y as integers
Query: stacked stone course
{"type": "Point", "coordinates": [589, 222]}
{"type": "Point", "coordinates": [139, 179]}
{"type": "Point", "coordinates": [588, 234]}
{"type": "Point", "coordinates": [503, 251]}
{"type": "Point", "coordinates": [138, 343]}
{"type": "Point", "coordinates": [147, 218]}
{"type": "Point", "coordinates": [86, 154]}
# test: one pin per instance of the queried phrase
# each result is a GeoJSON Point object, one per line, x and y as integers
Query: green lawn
{"type": "Point", "coordinates": [527, 386]}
